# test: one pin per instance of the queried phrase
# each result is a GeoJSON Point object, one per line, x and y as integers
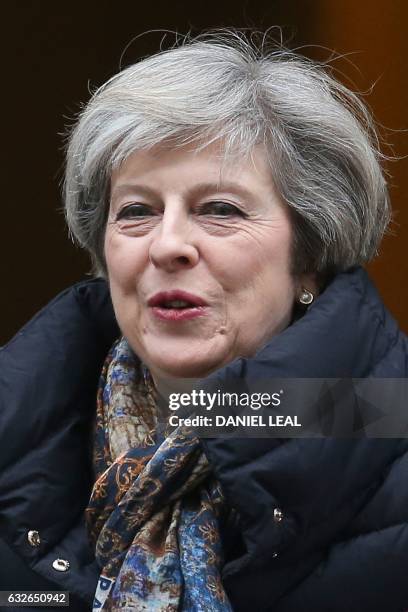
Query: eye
{"type": "Point", "coordinates": [134, 211]}
{"type": "Point", "coordinates": [220, 209]}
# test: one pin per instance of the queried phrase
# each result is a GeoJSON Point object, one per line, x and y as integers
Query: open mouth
{"type": "Point", "coordinates": [179, 304]}
{"type": "Point", "coordinates": [176, 305]}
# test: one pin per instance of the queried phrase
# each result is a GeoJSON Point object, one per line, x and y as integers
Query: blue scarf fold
{"type": "Point", "coordinates": [153, 516]}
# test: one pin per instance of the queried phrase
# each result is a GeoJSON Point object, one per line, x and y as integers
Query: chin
{"type": "Point", "coordinates": [184, 366]}
{"type": "Point", "coordinates": [183, 359]}
{"type": "Point", "coordinates": [183, 369]}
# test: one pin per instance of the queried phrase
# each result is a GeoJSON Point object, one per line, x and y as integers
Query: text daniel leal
{"type": "Point", "coordinates": [248, 420]}
{"type": "Point", "coordinates": [258, 420]}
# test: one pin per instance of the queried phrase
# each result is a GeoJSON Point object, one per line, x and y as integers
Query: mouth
{"type": "Point", "coordinates": [177, 305]}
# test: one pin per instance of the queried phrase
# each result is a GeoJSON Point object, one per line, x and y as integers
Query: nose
{"type": "Point", "coordinates": [172, 248]}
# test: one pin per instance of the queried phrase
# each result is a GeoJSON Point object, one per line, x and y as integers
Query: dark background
{"type": "Point", "coordinates": [53, 52]}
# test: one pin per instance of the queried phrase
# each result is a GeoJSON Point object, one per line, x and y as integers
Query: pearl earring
{"type": "Point", "coordinates": [306, 297]}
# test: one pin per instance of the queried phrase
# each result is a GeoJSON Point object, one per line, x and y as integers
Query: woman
{"type": "Point", "coordinates": [228, 197]}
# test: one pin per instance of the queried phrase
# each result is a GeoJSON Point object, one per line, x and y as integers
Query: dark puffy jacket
{"type": "Point", "coordinates": [342, 541]}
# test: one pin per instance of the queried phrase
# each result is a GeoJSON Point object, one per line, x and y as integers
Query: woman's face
{"type": "Point", "coordinates": [198, 258]}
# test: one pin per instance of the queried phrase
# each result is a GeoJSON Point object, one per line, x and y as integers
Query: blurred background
{"type": "Point", "coordinates": [55, 52]}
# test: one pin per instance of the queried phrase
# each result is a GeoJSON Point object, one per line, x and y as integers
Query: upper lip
{"type": "Point", "coordinates": [158, 299]}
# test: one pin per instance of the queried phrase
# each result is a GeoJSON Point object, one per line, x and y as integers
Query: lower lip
{"type": "Point", "coordinates": [178, 314]}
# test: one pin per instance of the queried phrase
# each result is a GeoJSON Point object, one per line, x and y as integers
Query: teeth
{"type": "Point", "coordinates": [177, 304]}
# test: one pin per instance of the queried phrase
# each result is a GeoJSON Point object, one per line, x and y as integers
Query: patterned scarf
{"type": "Point", "coordinates": [155, 508]}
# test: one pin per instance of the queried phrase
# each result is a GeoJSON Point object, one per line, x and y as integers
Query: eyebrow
{"type": "Point", "coordinates": [199, 190]}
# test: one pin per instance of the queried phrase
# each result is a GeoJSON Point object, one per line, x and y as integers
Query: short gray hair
{"type": "Point", "coordinates": [320, 138]}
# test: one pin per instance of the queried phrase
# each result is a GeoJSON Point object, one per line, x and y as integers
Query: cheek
{"type": "Point", "coordinates": [124, 267]}
{"type": "Point", "coordinates": [263, 264]}
{"type": "Point", "coordinates": [260, 288]}
{"type": "Point", "coordinates": [124, 260]}
{"type": "Point", "coordinates": [276, 279]}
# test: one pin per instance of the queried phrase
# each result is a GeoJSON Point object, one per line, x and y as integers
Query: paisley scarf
{"type": "Point", "coordinates": [153, 516]}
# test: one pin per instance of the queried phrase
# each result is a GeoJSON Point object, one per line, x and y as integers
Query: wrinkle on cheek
{"type": "Point", "coordinates": [220, 228]}
{"type": "Point", "coordinates": [111, 233]}
{"type": "Point", "coordinates": [256, 230]}
{"type": "Point", "coordinates": [225, 330]}
{"type": "Point", "coordinates": [130, 229]}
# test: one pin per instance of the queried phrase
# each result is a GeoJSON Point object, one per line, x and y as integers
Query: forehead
{"type": "Point", "coordinates": [188, 166]}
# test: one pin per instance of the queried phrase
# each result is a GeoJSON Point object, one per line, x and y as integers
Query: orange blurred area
{"type": "Point", "coordinates": [376, 33]}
